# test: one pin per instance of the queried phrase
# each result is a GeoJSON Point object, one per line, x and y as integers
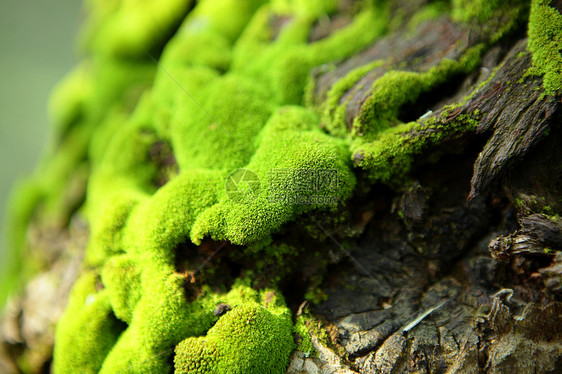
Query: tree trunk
{"type": "Point", "coordinates": [450, 257]}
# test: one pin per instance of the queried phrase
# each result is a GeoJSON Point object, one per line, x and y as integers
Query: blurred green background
{"type": "Point", "coordinates": [37, 41]}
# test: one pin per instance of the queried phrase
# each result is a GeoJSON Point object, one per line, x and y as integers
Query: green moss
{"type": "Point", "coordinates": [274, 259]}
{"type": "Point", "coordinates": [529, 204]}
{"type": "Point", "coordinates": [379, 141]}
{"type": "Point", "coordinates": [286, 63]}
{"type": "Point", "coordinates": [476, 10]}
{"type": "Point", "coordinates": [254, 337]}
{"type": "Point", "coordinates": [209, 49]}
{"type": "Point", "coordinates": [334, 112]}
{"type": "Point", "coordinates": [87, 330]}
{"type": "Point", "coordinates": [227, 93]}
{"type": "Point", "coordinates": [390, 156]}
{"type": "Point", "coordinates": [219, 141]}
{"type": "Point", "coordinates": [429, 12]}
{"type": "Point", "coordinates": [316, 296]}
{"type": "Point", "coordinates": [307, 327]}
{"type": "Point", "coordinates": [313, 8]}
{"type": "Point", "coordinates": [396, 88]}
{"type": "Point", "coordinates": [545, 44]}
{"type": "Point", "coordinates": [122, 279]}
{"type": "Point", "coordinates": [303, 336]}
{"type": "Point", "coordinates": [161, 319]}
{"type": "Point", "coordinates": [291, 154]}
{"type": "Point", "coordinates": [98, 88]}
{"type": "Point", "coordinates": [160, 223]}
{"type": "Point", "coordinates": [68, 101]}
{"type": "Point", "coordinates": [130, 29]}
{"type": "Point", "coordinates": [21, 207]}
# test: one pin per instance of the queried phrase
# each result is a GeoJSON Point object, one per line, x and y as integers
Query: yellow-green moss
{"type": "Point", "coordinates": [308, 326]}
{"type": "Point", "coordinates": [218, 113]}
{"type": "Point", "coordinates": [379, 141]}
{"type": "Point", "coordinates": [290, 144]}
{"type": "Point", "coordinates": [303, 336]}
{"type": "Point", "coordinates": [255, 337]}
{"type": "Point", "coordinates": [333, 111]}
{"type": "Point", "coordinates": [87, 330]}
{"type": "Point", "coordinates": [429, 12]}
{"type": "Point", "coordinates": [396, 88]}
{"type": "Point", "coordinates": [122, 279]}
{"type": "Point", "coordinates": [226, 93]}
{"type": "Point", "coordinates": [130, 28]}
{"type": "Point", "coordinates": [390, 156]}
{"type": "Point", "coordinates": [545, 44]}
{"type": "Point", "coordinates": [477, 10]}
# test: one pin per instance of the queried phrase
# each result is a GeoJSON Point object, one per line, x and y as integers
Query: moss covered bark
{"type": "Point", "coordinates": [225, 155]}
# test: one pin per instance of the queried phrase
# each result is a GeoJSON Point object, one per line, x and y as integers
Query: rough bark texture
{"type": "Point", "coordinates": [459, 271]}
{"type": "Point", "coordinates": [463, 281]}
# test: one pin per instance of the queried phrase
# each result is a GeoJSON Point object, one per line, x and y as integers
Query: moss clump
{"type": "Point", "coordinates": [545, 44]}
{"type": "Point", "coordinates": [333, 112]}
{"type": "Point", "coordinates": [122, 280]}
{"type": "Point", "coordinates": [379, 142]}
{"type": "Point", "coordinates": [88, 329]}
{"type": "Point", "coordinates": [390, 156]}
{"type": "Point", "coordinates": [477, 10]}
{"type": "Point", "coordinates": [292, 142]}
{"type": "Point", "coordinates": [254, 337]}
{"type": "Point", "coordinates": [303, 338]}
{"type": "Point", "coordinates": [130, 29]}
{"type": "Point", "coordinates": [396, 88]}
{"type": "Point", "coordinates": [216, 113]}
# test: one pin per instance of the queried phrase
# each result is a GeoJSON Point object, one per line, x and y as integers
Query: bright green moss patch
{"type": "Point", "coordinates": [308, 7]}
{"type": "Point", "coordinates": [122, 278]}
{"type": "Point", "coordinates": [306, 327]}
{"type": "Point", "coordinates": [130, 28]}
{"type": "Point", "coordinates": [390, 156]}
{"type": "Point", "coordinates": [161, 319]}
{"type": "Point", "coordinates": [334, 113]}
{"type": "Point", "coordinates": [396, 88]}
{"type": "Point", "coordinates": [545, 44]}
{"type": "Point", "coordinates": [21, 206]}
{"type": "Point", "coordinates": [286, 63]}
{"type": "Point", "coordinates": [431, 11]}
{"type": "Point", "coordinates": [87, 330]}
{"type": "Point", "coordinates": [285, 164]}
{"type": "Point", "coordinates": [67, 103]}
{"type": "Point", "coordinates": [379, 141]}
{"type": "Point", "coordinates": [254, 337]}
{"type": "Point", "coordinates": [224, 141]}
{"type": "Point", "coordinates": [477, 10]}
{"type": "Point", "coordinates": [158, 224]}
{"type": "Point", "coordinates": [302, 333]}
